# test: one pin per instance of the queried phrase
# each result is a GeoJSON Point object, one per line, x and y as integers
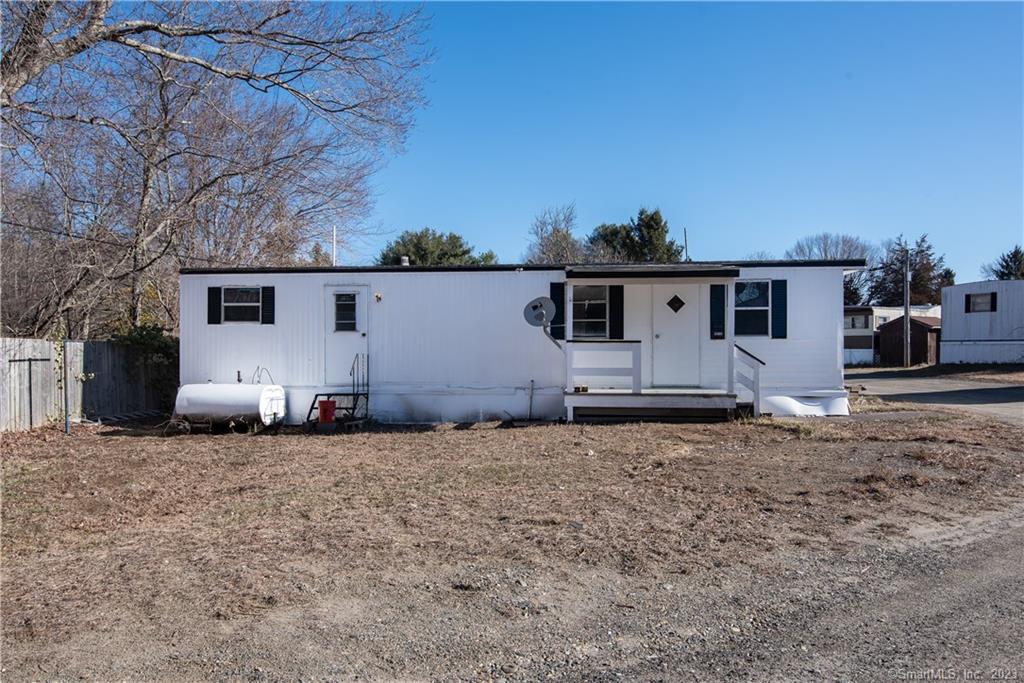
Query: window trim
{"type": "Point", "coordinates": [737, 309]}
{"type": "Point", "coordinates": [607, 313]}
{"type": "Point", "coordinates": [980, 296]}
{"type": "Point", "coordinates": [355, 310]}
{"type": "Point", "coordinates": [258, 306]}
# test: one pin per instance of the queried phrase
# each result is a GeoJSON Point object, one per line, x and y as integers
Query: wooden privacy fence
{"type": "Point", "coordinates": [106, 380]}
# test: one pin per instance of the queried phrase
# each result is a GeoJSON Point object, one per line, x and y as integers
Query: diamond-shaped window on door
{"type": "Point", "coordinates": [675, 303]}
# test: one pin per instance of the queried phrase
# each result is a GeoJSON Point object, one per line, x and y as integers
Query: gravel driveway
{"type": "Point", "coordinates": [1001, 401]}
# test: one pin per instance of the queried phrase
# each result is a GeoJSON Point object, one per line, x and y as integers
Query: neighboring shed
{"type": "Point", "coordinates": [925, 332]}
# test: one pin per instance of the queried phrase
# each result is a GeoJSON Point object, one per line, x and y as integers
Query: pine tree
{"type": "Point", "coordinates": [1009, 266]}
{"type": "Point", "coordinates": [928, 274]}
{"type": "Point", "coordinates": [428, 247]}
{"type": "Point", "coordinates": [643, 240]}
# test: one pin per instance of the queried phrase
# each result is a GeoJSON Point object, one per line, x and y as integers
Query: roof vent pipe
{"type": "Point", "coordinates": [405, 260]}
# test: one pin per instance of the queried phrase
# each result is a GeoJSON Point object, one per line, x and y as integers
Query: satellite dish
{"type": "Point", "coordinates": [540, 311]}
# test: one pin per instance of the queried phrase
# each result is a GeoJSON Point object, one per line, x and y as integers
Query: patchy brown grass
{"type": "Point", "coordinates": [128, 524]}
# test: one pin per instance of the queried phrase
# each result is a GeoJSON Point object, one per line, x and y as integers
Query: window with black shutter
{"type": "Point", "coordinates": [980, 303]}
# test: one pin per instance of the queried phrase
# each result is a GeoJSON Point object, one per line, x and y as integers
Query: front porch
{"type": "Point", "coordinates": [653, 341]}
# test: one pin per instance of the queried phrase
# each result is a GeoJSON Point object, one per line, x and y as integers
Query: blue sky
{"type": "Point", "coordinates": [750, 124]}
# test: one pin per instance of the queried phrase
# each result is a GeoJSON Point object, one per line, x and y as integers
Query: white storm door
{"type": "Point", "coordinates": [345, 329]}
{"type": "Point", "coordinates": [676, 338]}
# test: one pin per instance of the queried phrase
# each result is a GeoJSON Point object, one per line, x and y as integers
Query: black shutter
{"type": "Point", "coordinates": [993, 302]}
{"type": "Point", "coordinates": [615, 312]}
{"type": "Point", "coordinates": [213, 305]}
{"type": "Point", "coordinates": [267, 307]}
{"type": "Point", "coordinates": [967, 303]}
{"type": "Point", "coordinates": [557, 294]}
{"type": "Point", "coordinates": [779, 309]}
{"type": "Point", "coordinates": [718, 311]}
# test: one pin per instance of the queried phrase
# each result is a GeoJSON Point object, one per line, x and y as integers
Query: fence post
{"type": "Point", "coordinates": [66, 360]}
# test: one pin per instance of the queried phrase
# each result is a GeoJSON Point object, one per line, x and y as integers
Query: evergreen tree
{"type": "Point", "coordinates": [643, 240]}
{"type": "Point", "coordinates": [428, 247]}
{"type": "Point", "coordinates": [928, 274]}
{"type": "Point", "coordinates": [1009, 266]}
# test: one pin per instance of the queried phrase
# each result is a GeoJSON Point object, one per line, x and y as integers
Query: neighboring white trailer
{"type": "Point", "coordinates": [983, 322]}
{"type": "Point", "coordinates": [451, 344]}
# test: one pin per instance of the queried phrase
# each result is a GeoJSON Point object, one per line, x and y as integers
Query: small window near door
{"type": "Point", "coordinates": [753, 306]}
{"type": "Point", "coordinates": [241, 304]}
{"type": "Point", "coordinates": [590, 312]}
{"type": "Point", "coordinates": [979, 303]}
{"type": "Point", "coordinates": [344, 312]}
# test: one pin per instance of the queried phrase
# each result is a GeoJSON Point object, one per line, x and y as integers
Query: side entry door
{"type": "Point", "coordinates": [346, 325]}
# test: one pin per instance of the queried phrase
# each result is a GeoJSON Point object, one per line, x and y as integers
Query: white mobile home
{"type": "Point", "coordinates": [451, 343]}
{"type": "Point", "coordinates": [983, 322]}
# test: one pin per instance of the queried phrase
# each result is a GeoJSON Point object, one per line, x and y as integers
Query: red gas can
{"type": "Point", "coordinates": [327, 411]}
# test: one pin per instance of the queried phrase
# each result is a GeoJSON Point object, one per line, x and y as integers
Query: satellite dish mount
{"type": "Point", "coordinates": [539, 313]}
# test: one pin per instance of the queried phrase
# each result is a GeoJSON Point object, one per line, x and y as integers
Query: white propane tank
{"type": "Point", "coordinates": [223, 402]}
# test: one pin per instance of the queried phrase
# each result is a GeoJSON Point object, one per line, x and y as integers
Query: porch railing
{"type": "Point", "coordinates": [752, 381]}
{"type": "Point", "coordinates": [596, 358]}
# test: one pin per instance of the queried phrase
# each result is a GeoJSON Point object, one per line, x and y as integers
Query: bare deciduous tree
{"type": "Point", "coordinates": [552, 239]}
{"type": "Point", "coordinates": [140, 138]}
{"type": "Point", "coordinates": [827, 245]}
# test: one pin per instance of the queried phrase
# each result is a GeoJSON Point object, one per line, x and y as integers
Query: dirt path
{"type": "Point", "coordinates": [951, 603]}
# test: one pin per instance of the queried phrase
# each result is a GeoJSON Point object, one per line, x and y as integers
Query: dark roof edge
{"type": "Point", "coordinates": [641, 273]}
{"type": "Point", "coordinates": [803, 263]}
{"type": "Point", "coordinates": [500, 267]}
{"type": "Point", "coordinates": [364, 269]}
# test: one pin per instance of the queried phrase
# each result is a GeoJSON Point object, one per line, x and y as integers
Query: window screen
{"type": "Point", "coordinates": [344, 312]}
{"type": "Point", "coordinates": [241, 304]}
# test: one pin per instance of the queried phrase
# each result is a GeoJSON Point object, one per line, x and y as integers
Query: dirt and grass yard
{"type": "Point", "coordinates": [768, 549]}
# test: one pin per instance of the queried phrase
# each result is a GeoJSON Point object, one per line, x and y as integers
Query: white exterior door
{"type": "Point", "coordinates": [345, 328]}
{"type": "Point", "coordinates": [676, 338]}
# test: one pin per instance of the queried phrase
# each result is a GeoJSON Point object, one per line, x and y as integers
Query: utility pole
{"type": "Point", "coordinates": [906, 307]}
{"type": "Point", "coordinates": [334, 245]}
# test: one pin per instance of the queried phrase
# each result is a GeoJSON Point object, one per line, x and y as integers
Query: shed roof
{"type": "Point", "coordinates": [928, 321]}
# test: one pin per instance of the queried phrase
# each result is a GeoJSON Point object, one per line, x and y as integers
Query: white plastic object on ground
{"type": "Point", "coordinates": [803, 406]}
{"type": "Point", "coordinates": [223, 402]}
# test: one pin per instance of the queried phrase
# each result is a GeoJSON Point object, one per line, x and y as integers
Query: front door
{"type": "Point", "coordinates": [345, 328]}
{"type": "Point", "coordinates": [676, 330]}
